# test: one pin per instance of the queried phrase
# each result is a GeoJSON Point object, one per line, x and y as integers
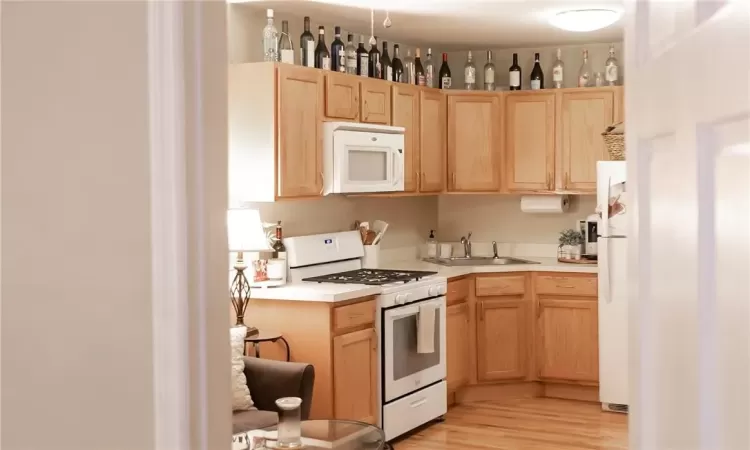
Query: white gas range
{"type": "Point", "coordinates": [410, 323]}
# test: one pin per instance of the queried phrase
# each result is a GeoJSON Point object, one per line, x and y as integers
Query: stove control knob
{"type": "Point", "coordinates": [432, 291]}
{"type": "Point", "coordinates": [442, 289]}
{"type": "Point", "coordinates": [401, 299]}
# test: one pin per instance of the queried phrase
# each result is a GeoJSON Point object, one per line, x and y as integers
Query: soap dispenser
{"type": "Point", "coordinates": [432, 245]}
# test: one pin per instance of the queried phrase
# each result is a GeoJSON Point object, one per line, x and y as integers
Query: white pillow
{"type": "Point", "coordinates": [241, 399]}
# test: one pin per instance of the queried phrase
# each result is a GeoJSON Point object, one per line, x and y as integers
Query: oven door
{"type": "Point", "coordinates": [405, 370]}
{"type": "Point", "coordinates": [368, 162]}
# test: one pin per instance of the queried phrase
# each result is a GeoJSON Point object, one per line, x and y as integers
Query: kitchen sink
{"type": "Point", "coordinates": [479, 261]}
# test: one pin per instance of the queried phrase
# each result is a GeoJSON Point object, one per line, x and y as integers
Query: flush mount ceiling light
{"type": "Point", "coordinates": [585, 19]}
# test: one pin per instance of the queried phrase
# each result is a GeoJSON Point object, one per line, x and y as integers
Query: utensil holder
{"type": "Point", "coordinates": [371, 260]}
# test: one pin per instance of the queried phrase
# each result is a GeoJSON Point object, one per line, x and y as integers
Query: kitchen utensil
{"type": "Point", "coordinates": [370, 237]}
{"type": "Point", "coordinates": [380, 228]}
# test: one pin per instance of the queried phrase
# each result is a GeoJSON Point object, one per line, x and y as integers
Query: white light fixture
{"type": "Point", "coordinates": [585, 19]}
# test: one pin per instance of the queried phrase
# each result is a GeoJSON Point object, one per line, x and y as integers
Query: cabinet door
{"type": "Point", "coordinates": [342, 96]}
{"type": "Point", "coordinates": [530, 142]}
{"type": "Point", "coordinates": [457, 347]}
{"type": "Point", "coordinates": [375, 102]}
{"type": "Point", "coordinates": [473, 143]}
{"type": "Point", "coordinates": [300, 104]}
{"type": "Point", "coordinates": [502, 338]}
{"type": "Point", "coordinates": [568, 340]}
{"type": "Point", "coordinates": [355, 377]}
{"type": "Point", "coordinates": [585, 115]}
{"type": "Point", "coordinates": [432, 141]}
{"type": "Point", "coordinates": [405, 113]}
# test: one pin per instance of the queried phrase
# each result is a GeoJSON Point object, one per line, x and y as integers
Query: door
{"type": "Point", "coordinates": [457, 343]}
{"type": "Point", "coordinates": [406, 369]}
{"type": "Point", "coordinates": [432, 140]}
{"type": "Point", "coordinates": [375, 105]}
{"type": "Point", "coordinates": [405, 113]}
{"type": "Point", "coordinates": [585, 116]}
{"type": "Point", "coordinates": [530, 141]}
{"type": "Point", "coordinates": [355, 376]}
{"type": "Point", "coordinates": [300, 164]}
{"type": "Point", "coordinates": [367, 162]}
{"type": "Point", "coordinates": [688, 163]}
{"type": "Point", "coordinates": [567, 347]}
{"type": "Point", "coordinates": [473, 143]}
{"type": "Point", "coordinates": [502, 336]}
{"type": "Point", "coordinates": [342, 96]}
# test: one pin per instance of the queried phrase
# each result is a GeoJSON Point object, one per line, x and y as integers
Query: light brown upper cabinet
{"type": "Point", "coordinates": [375, 101]}
{"type": "Point", "coordinates": [405, 113]}
{"type": "Point", "coordinates": [474, 142]}
{"type": "Point", "coordinates": [530, 141]}
{"type": "Point", "coordinates": [342, 96]}
{"type": "Point", "coordinates": [432, 121]}
{"type": "Point", "coordinates": [619, 104]}
{"type": "Point", "coordinates": [585, 115]}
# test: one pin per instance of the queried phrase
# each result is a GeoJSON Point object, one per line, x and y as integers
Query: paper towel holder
{"type": "Point", "coordinates": [545, 204]}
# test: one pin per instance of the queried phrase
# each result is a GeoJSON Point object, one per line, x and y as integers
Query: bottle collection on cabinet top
{"type": "Point", "coordinates": [372, 63]}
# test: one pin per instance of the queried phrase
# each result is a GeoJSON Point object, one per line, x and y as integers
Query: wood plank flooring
{"type": "Point", "coordinates": [523, 424]}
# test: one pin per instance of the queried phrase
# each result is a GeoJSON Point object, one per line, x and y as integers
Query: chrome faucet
{"type": "Point", "coordinates": [467, 245]}
{"type": "Point", "coordinates": [494, 250]}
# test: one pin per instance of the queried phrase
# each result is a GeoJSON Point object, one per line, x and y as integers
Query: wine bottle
{"type": "Point", "coordinates": [374, 67]}
{"type": "Point", "coordinates": [398, 66]}
{"type": "Point", "coordinates": [338, 58]}
{"type": "Point", "coordinates": [515, 74]}
{"type": "Point", "coordinates": [429, 70]}
{"type": "Point", "coordinates": [584, 73]}
{"type": "Point", "coordinates": [363, 58]}
{"type": "Point", "coordinates": [470, 73]}
{"type": "Point", "coordinates": [270, 36]}
{"type": "Point", "coordinates": [307, 46]}
{"type": "Point", "coordinates": [557, 71]}
{"type": "Point", "coordinates": [285, 49]}
{"type": "Point", "coordinates": [489, 73]}
{"type": "Point", "coordinates": [537, 76]}
{"type": "Point", "coordinates": [419, 78]}
{"type": "Point", "coordinates": [612, 68]}
{"type": "Point", "coordinates": [351, 55]}
{"type": "Point", "coordinates": [409, 74]}
{"type": "Point", "coordinates": [445, 73]}
{"type": "Point", "coordinates": [385, 62]}
{"type": "Point", "coordinates": [322, 55]}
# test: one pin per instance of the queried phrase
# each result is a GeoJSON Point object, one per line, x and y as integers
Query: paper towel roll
{"type": "Point", "coordinates": [545, 204]}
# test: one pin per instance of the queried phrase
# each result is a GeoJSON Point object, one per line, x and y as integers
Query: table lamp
{"type": "Point", "coordinates": [246, 234]}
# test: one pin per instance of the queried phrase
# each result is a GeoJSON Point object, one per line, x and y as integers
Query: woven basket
{"type": "Point", "coordinates": [614, 139]}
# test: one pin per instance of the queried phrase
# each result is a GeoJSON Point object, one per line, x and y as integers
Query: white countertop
{"type": "Point", "coordinates": [331, 292]}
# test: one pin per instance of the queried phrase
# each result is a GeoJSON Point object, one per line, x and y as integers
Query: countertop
{"type": "Point", "coordinates": [332, 293]}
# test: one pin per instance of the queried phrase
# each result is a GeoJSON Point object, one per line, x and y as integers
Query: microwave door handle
{"type": "Point", "coordinates": [398, 171]}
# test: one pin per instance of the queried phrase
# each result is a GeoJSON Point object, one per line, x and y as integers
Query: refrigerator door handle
{"type": "Point", "coordinates": [604, 275]}
{"type": "Point", "coordinates": [605, 210]}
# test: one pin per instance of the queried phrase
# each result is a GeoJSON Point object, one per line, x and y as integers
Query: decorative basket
{"type": "Point", "coordinates": [614, 139]}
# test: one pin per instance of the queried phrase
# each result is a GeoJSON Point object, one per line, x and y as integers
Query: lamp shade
{"type": "Point", "coordinates": [246, 231]}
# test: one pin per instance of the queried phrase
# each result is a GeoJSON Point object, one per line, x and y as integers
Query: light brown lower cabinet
{"type": "Point", "coordinates": [355, 376]}
{"type": "Point", "coordinates": [457, 347]}
{"type": "Point", "coordinates": [502, 338]}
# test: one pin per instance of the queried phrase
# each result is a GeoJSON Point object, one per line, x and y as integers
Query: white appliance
{"type": "Point", "coordinates": [611, 194]}
{"type": "Point", "coordinates": [411, 385]}
{"type": "Point", "coordinates": [361, 157]}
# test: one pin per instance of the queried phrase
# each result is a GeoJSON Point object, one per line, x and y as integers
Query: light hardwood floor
{"type": "Point", "coordinates": [523, 424]}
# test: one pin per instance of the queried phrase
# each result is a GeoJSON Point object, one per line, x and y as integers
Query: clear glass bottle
{"type": "Point", "coordinates": [285, 48]}
{"type": "Point", "coordinates": [585, 76]}
{"type": "Point", "coordinates": [557, 71]}
{"type": "Point", "coordinates": [270, 38]}
{"type": "Point", "coordinates": [612, 68]}
{"type": "Point", "coordinates": [429, 70]}
{"type": "Point", "coordinates": [409, 68]}
{"type": "Point", "coordinates": [489, 73]}
{"type": "Point", "coordinates": [289, 429]}
{"type": "Point", "coordinates": [470, 73]}
{"type": "Point", "coordinates": [351, 55]}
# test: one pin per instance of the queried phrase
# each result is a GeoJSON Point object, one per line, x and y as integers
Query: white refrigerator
{"type": "Point", "coordinates": [611, 194]}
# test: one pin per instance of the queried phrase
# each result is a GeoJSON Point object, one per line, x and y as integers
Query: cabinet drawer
{"type": "Point", "coordinates": [458, 291]}
{"type": "Point", "coordinates": [500, 285]}
{"type": "Point", "coordinates": [354, 315]}
{"type": "Point", "coordinates": [560, 285]}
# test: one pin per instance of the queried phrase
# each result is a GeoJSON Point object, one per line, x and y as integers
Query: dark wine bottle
{"type": "Point", "coordinates": [338, 57]}
{"type": "Point", "coordinates": [375, 68]}
{"type": "Point", "coordinates": [537, 76]}
{"type": "Point", "coordinates": [363, 58]}
{"type": "Point", "coordinates": [445, 73]}
{"type": "Point", "coordinates": [419, 78]}
{"type": "Point", "coordinates": [515, 74]}
{"type": "Point", "coordinates": [322, 56]}
{"type": "Point", "coordinates": [385, 62]}
{"type": "Point", "coordinates": [398, 67]}
{"type": "Point", "coordinates": [307, 46]}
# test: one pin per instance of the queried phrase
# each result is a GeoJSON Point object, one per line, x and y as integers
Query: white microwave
{"type": "Point", "coordinates": [360, 157]}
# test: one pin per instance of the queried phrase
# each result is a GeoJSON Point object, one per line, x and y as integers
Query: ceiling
{"type": "Point", "coordinates": [456, 25]}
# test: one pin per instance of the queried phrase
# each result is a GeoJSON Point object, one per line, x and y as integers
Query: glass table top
{"type": "Point", "coordinates": [323, 434]}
